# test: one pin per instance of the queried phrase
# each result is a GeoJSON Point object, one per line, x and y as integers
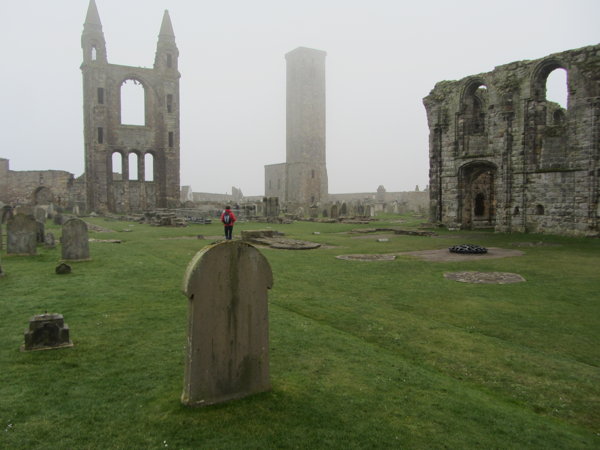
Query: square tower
{"type": "Point", "coordinates": [304, 174]}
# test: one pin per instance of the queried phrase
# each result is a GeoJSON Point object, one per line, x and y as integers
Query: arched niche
{"type": "Point", "coordinates": [477, 194]}
{"type": "Point", "coordinates": [473, 107]}
{"type": "Point", "coordinates": [43, 196]}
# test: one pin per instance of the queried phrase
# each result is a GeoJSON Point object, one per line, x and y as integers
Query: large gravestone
{"type": "Point", "coordinates": [21, 231]}
{"type": "Point", "coordinates": [227, 354]}
{"type": "Point", "coordinates": [74, 240]}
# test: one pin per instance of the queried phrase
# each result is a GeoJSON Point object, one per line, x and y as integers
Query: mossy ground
{"type": "Point", "coordinates": [383, 354]}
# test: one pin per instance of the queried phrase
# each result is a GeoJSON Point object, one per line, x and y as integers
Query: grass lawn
{"type": "Point", "coordinates": [382, 354]}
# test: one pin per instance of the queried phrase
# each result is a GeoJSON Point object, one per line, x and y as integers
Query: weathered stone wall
{"type": "Point", "coordinates": [503, 156]}
{"type": "Point", "coordinates": [392, 202]}
{"type": "Point", "coordinates": [106, 135]}
{"type": "Point", "coordinates": [275, 180]}
{"type": "Point", "coordinates": [35, 186]}
{"type": "Point", "coordinates": [4, 167]}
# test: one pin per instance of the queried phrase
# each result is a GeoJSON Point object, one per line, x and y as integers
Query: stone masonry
{"type": "Point", "coordinates": [302, 179]}
{"type": "Point", "coordinates": [156, 142]}
{"type": "Point", "coordinates": [504, 157]}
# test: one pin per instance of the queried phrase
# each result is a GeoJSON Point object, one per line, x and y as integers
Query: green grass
{"type": "Point", "coordinates": [363, 354]}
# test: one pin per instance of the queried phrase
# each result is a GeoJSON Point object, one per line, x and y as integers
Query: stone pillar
{"type": "Point", "coordinates": [227, 353]}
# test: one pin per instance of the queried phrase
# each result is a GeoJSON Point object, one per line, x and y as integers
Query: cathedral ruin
{"type": "Point", "coordinates": [502, 156]}
{"type": "Point", "coordinates": [130, 167]}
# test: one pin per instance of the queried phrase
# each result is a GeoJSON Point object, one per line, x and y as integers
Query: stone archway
{"type": "Point", "coordinates": [43, 196]}
{"type": "Point", "coordinates": [477, 195]}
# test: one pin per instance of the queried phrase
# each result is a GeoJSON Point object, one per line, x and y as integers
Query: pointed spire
{"type": "Point", "coordinates": [92, 38]}
{"type": "Point", "coordinates": [92, 19]}
{"type": "Point", "coordinates": [166, 28]}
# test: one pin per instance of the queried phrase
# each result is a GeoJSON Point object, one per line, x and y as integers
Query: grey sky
{"type": "Point", "coordinates": [383, 57]}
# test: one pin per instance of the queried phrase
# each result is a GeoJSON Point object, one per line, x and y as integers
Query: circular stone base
{"type": "Point", "coordinates": [485, 277]}
{"type": "Point", "coordinates": [367, 257]}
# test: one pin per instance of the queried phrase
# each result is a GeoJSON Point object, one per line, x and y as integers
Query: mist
{"type": "Point", "coordinates": [382, 59]}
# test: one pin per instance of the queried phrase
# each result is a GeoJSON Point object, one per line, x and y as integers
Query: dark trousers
{"type": "Point", "coordinates": [228, 231]}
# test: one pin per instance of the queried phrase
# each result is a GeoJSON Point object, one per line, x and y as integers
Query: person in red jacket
{"type": "Point", "coordinates": [228, 219]}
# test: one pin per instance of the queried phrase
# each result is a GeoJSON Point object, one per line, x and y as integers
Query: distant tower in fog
{"type": "Point", "coordinates": [302, 179]}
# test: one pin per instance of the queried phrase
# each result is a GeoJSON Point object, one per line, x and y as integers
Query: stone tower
{"type": "Point", "coordinates": [302, 180]}
{"type": "Point", "coordinates": [106, 138]}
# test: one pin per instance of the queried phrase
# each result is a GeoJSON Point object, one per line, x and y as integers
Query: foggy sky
{"type": "Point", "coordinates": [382, 58]}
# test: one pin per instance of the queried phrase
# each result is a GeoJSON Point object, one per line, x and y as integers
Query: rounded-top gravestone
{"type": "Point", "coordinates": [227, 353]}
{"type": "Point", "coordinates": [74, 241]}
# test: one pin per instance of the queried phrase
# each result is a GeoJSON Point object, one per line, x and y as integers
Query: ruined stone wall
{"type": "Point", "coordinates": [275, 180]}
{"type": "Point", "coordinates": [393, 202]}
{"type": "Point", "coordinates": [126, 189]}
{"type": "Point", "coordinates": [4, 167]}
{"type": "Point", "coordinates": [35, 186]}
{"type": "Point", "coordinates": [503, 156]}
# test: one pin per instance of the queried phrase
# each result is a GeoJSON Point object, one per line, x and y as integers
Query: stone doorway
{"type": "Point", "coordinates": [477, 200]}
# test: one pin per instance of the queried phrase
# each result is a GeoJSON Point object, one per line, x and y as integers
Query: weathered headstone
{"type": "Point", "coordinates": [334, 212]}
{"type": "Point", "coordinates": [46, 331]}
{"type": "Point", "coordinates": [49, 240]}
{"type": "Point", "coordinates": [41, 232]}
{"type": "Point", "coordinates": [21, 233]}
{"type": "Point", "coordinates": [228, 326]}
{"type": "Point", "coordinates": [40, 214]}
{"type": "Point", "coordinates": [62, 269]}
{"type": "Point", "coordinates": [74, 240]}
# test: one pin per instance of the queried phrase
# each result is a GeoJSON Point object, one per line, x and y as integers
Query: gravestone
{"type": "Point", "coordinates": [227, 354]}
{"type": "Point", "coordinates": [41, 232]}
{"type": "Point", "coordinates": [47, 331]}
{"type": "Point", "coordinates": [334, 212]}
{"type": "Point", "coordinates": [49, 240]}
{"type": "Point", "coordinates": [40, 214]}
{"type": "Point", "coordinates": [74, 240]}
{"type": "Point", "coordinates": [63, 269]}
{"type": "Point", "coordinates": [21, 233]}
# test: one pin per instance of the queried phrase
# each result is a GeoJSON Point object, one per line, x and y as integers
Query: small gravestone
{"type": "Point", "coordinates": [49, 240]}
{"type": "Point", "coordinates": [227, 353]}
{"type": "Point", "coordinates": [41, 232]}
{"type": "Point", "coordinates": [62, 269]}
{"type": "Point", "coordinates": [74, 240]}
{"type": "Point", "coordinates": [21, 235]}
{"type": "Point", "coordinates": [1, 272]}
{"type": "Point", "coordinates": [40, 214]}
{"type": "Point", "coordinates": [46, 331]}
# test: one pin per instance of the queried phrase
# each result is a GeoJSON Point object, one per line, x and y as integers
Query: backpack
{"type": "Point", "coordinates": [226, 218]}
